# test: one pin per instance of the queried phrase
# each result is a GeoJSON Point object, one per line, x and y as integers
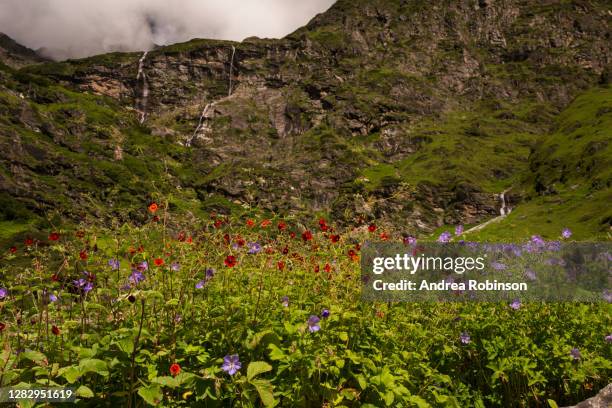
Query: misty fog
{"type": "Point", "coordinates": [77, 28]}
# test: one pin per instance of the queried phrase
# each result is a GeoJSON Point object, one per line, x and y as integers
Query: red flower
{"type": "Point", "coordinates": [55, 330]}
{"type": "Point", "coordinates": [281, 265]}
{"type": "Point", "coordinates": [181, 236]}
{"type": "Point", "coordinates": [55, 277]}
{"type": "Point", "coordinates": [327, 268]}
{"type": "Point", "coordinates": [292, 234]}
{"type": "Point", "coordinates": [307, 236]}
{"type": "Point", "coordinates": [357, 247]}
{"type": "Point", "coordinates": [384, 236]}
{"type": "Point", "coordinates": [230, 261]}
{"type": "Point", "coordinates": [266, 223]}
{"type": "Point", "coordinates": [351, 253]}
{"type": "Point", "coordinates": [28, 241]}
{"type": "Point", "coordinates": [218, 223]}
{"type": "Point", "coordinates": [317, 269]}
{"type": "Point", "coordinates": [285, 250]}
{"type": "Point", "coordinates": [372, 228]}
{"type": "Point", "coordinates": [2, 326]}
{"type": "Point", "coordinates": [158, 262]}
{"type": "Point", "coordinates": [240, 242]}
{"type": "Point", "coordinates": [282, 226]}
{"type": "Point", "coordinates": [189, 240]}
{"type": "Point", "coordinates": [175, 369]}
{"type": "Point", "coordinates": [13, 249]}
{"type": "Point", "coordinates": [54, 236]}
{"type": "Point", "coordinates": [83, 255]}
{"type": "Point", "coordinates": [250, 223]}
{"type": "Point", "coordinates": [322, 222]}
{"type": "Point", "coordinates": [226, 238]}
{"type": "Point", "coordinates": [334, 238]}
{"type": "Point", "coordinates": [153, 207]}
{"type": "Point", "coordinates": [155, 219]}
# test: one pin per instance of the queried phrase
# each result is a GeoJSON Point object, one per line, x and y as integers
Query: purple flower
{"type": "Point", "coordinates": [410, 241]}
{"type": "Point", "coordinates": [200, 284]}
{"type": "Point", "coordinates": [285, 301]}
{"type": "Point", "coordinates": [575, 353]}
{"type": "Point", "coordinates": [83, 284]}
{"type": "Point", "coordinates": [516, 304]}
{"type": "Point", "coordinates": [3, 293]}
{"type": "Point", "coordinates": [210, 272]}
{"type": "Point", "coordinates": [609, 338]}
{"type": "Point", "coordinates": [566, 233]}
{"type": "Point", "coordinates": [537, 240]}
{"type": "Point", "coordinates": [325, 313]}
{"type": "Point", "coordinates": [143, 266]}
{"type": "Point", "coordinates": [175, 266]}
{"type": "Point", "coordinates": [459, 230]}
{"type": "Point", "coordinates": [136, 277]}
{"type": "Point", "coordinates": [231, 364]}
{"type": "Point", "coordinates": [254, 248]}
{"type": "Point", "coordinates": [465, 338]}
{"type": "Point", "coordinates": [607, 295]}
{"type": "Point", "coordinates": [313, 323]}
{"type": "Point", "coordinates": [52, 298]}
{"type": "Point", "coordinates": [531, 275]}
{"type": "Point", "coordinates": [114, 264]}
{"type": "Point", "coordinates": [444, 237]}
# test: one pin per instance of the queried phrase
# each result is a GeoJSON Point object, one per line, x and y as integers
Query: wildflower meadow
{"type": "Point", "coordinates": [261, 311]}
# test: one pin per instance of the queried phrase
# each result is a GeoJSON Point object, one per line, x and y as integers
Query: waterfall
{"type": "Point", "coordinates": [504, 210]}
{"type": "Point", "coordinates": [200, 123]}
{"type": "Point", "coordinates": [209, 106]}
{"type": "Point", "coordinates": [142, 76]}
{"type": "Point", "coordinates": [231, 73]}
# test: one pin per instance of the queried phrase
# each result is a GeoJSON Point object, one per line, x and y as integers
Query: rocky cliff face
{"type": "Point", "coordinates": [405, 111]}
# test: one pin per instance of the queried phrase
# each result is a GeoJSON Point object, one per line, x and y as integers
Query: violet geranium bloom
{"type": "Point", "coordinates": [575, 353]}
{"type": "Point", "coordinates": [3, 293]}
{"type": "Point", "coordinates": [136, 277]}
{"type": "Point", "coordinates": [231, 364]}
{"type": "Point", "coordinates": [313, 323]}
{"type": "Point", "coordinates": [254, 248]}
{"type": "Point", "coordinates": [444, 237]}
{"type": "Point", "coordinates": [465, 338]}
{"type": "Point", "coordinates": [200, 284]}
{"type": "Point", "coordinates": [459, 230]}
{"type": "Point", "coordinates": [566, 233]}
{"type": "Point", "coordinates": [516, 304]}
{"type": "Point", "coordinates": [285, 301]}
{"type": "Point", "coordinates": [114, 264]}
{"type": "Point", "coordinates": [325, 313]}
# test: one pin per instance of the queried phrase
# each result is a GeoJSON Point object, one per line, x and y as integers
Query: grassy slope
{"type": "Point", "coordinates": [574, 164]}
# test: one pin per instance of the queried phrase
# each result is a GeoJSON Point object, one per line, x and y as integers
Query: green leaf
{"type": "Point", "coordinates": [276, 353]}
{"type": "Point", "coordinates": [93, 365]}
{"type": "Point", "coordinates": [35, 356]}
{"type": "Point", "coordinates": [257, 367]}
{"type": "Point", "coordinates": [84, 392]}
{"type": "Point", "coordinates": [265, 389]}
{"type": "Point", "coordinates": [552, 404]}
{"type": "Point", "coordinates": [152, 394]}
{"type": "Point", "coordinates": [166, 381]}
{"type": "Point", "coordinates": [70, 373]}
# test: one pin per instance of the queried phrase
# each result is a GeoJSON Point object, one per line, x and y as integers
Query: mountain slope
{"type": "Point", "coordinates": [16, 55]}
{"type": "Point", "coordinates": [416, 115]}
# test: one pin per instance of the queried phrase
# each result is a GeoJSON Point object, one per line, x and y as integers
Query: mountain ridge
{"type": "Point", "coordinates": [386, 110]}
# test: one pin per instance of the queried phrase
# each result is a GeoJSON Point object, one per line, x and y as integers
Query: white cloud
{"type": "Point", "coordinates": [78, 28]}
